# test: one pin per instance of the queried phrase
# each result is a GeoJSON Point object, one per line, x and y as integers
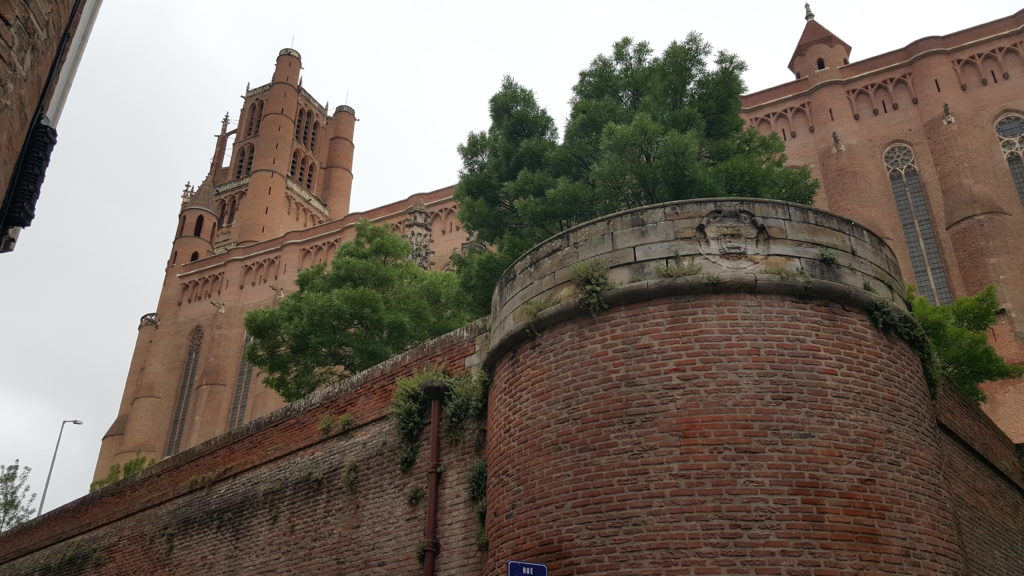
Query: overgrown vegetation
{"type": "Point", "coordinates": [329, 423]}
{"type": "Point", "coordinates": [73, 559]}
{"type": "Point", "coordinates": [642, 129]}
{"type": "Point", "coordinates": [465, 400]}
{"type": "Point", "coordinates": [351, 476]}
{"type": "Point", "coordinates": [950, 340]}
{"type": "Point", "coordinates": [477, 487]}
{"type": "Point", "coordinates": [958, 333]}
{"type": "Point", "coordinates": [372, 303]}
{"type": "Point", "coordinates": [591, 279]}
{"type": "Point", "coordinates": [680, 269]}
{"type": "Point", "coordinates": [118, 472]}
{"type": "Point", "coordinates": [414, 495]}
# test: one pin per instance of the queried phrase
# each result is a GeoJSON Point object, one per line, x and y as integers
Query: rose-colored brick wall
{"type": "Point", "coordinates": [732, 434]}
{"type": "Point", "coordinates": [273, 497]}
{"type": "Point", "coordinates": [751, 425]}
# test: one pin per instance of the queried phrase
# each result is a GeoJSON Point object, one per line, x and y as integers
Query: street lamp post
{"type": "Point", "coordinates": [50, 473]}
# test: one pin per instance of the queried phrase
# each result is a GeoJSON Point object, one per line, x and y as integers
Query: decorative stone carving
{"type": "Point", "coordinates": [150, 319]}
{"type": "Point", "coordinates": [732, 238]}
{"type": "Point", "coordinates": [417, 233]}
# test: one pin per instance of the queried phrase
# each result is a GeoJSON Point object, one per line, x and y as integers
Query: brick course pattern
{"type": "Point", "coordinates": [740, 426]}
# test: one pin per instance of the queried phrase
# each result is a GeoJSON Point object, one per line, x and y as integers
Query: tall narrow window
{"type": "Point", "coordinates": [250, 125]}
{"type": "Point", "coordinates": [929, 272]}
{"type": "Point", "coordinates": [199, 226]}
{"type": "Point", "coordinates": [248, 159]}
{"type": "Point", "coordinates": [302, 172]}
{"type": "Point", "coordinates": [242, 381]}
{"type": "Point", "coordinates": [313, 138]}
{"type": "Point", "coordinates": [231, 213]}
{"type": "Point", "coordinates": [305, 128]}
{"type": "Point", "coordinates": [181, 405]}
{"type": "Point", "coordinates": [309, 175]}
{"type": "Point", "coordinates": [298, 124]}
{"type": "Point", "coordinates": [259, 115]}
{"type": "Point", "coordinates": [240, 163]}
{"type": "Point", "coordinates": [295, 165]}
{"type": "Point", "coordinates": [1010, 129]}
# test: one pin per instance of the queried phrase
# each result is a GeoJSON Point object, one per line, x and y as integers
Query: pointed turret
{"type": "Point", "coordinates": [818, 49]}
{"type": "Point", "coordinates": [197, 224]}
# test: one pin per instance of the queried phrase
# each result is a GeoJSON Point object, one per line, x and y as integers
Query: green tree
{"type": "Point", "coordinates": [372, 303]}
{"type": "Point", "coordinates": [642, 129]}
{"type": "Point", "coordinates": [958, 334]}
{"type": "Point", "coordinates": [15, 499]}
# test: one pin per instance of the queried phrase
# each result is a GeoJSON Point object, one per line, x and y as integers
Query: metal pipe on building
{"type": "Point", "coordinates": [434, 391]}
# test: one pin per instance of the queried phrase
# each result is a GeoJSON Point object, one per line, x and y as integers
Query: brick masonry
{"type": "Point", "coordinates": [29, 35]}
{"type": "Point", "coordinates": [693, 427]}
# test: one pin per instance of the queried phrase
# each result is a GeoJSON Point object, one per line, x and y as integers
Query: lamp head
{"type": "Point", "coordinates": [74, 421]}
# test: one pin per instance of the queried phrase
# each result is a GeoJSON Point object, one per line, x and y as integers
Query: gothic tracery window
{"type": "Point", "coordinates": [184, 399]}
{"type": "Point", "coordinates": [925, 258]}
{"type": "Point", "coordinates": [242, 381]}
{"type": "Point", "coordinates": [1010, 129]}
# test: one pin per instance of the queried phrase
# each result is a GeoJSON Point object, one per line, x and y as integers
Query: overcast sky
{"type": "Point", "coordinates": [158, 76]}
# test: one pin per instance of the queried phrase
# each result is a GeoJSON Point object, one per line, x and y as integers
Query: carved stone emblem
{"type": "Point", "coordinates": [732, 238]}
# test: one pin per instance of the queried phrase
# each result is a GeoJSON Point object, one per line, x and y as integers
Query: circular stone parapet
{"type": "Point", "coordinates": [697, 246]}
{"type": "Point", "coordinates": [290, 52]}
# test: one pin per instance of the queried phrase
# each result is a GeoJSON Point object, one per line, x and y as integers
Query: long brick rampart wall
{"type": "Point", "coordinates": [732, 410]}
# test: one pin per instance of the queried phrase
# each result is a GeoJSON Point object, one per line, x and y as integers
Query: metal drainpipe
{"type": "Point", "coordinates": [434, 391]}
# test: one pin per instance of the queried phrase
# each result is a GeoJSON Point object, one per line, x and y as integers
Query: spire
{"type": "Point", "coordinates": [815, 34]}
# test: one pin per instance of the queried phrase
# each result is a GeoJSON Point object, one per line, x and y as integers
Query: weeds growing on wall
{"type": "Point", "coordinates": [117, 472]}
{"type": "Point", "coordinates": [464, 401]}
{"type": "Point", "coordinates": [890, 320]}
{"type": "Point", "coordinates": [591, 279]}
{"type": "Point", "coordinates": [477, 487]}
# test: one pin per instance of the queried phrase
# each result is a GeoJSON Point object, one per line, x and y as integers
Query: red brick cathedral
{"type": "Point", "coordinates": [922, 145]}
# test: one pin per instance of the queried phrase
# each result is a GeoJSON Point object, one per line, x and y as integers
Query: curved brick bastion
{"type": "Point", "coordinates": [732, 411]}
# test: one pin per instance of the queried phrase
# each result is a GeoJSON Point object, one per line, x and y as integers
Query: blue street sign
{"type": "Point", "coordinates": [526, 569]}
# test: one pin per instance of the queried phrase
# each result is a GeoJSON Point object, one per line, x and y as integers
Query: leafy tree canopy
{"type": "Point", "coordinates": [15, 500]}
{"type": "Point", "coordinates": [958, 333]}
{"type": "Point", "coordinates": [642, 129]}
{"type": "Point", "coordinates": [372, 303]}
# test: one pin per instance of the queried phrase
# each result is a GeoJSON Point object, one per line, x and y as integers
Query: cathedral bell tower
{"type": "Point", "coordinates": [290, 164]}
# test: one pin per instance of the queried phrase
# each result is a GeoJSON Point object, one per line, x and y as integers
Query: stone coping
{"type": "Point", "coordinates": [696, 247]}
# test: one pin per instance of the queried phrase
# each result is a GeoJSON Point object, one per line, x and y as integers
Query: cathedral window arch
{"type": "Point", "coordinates": [243, 166]}
{"type": "Point", "coordinates": [181, 225]}
{"type": "Point", "coordinates": [302, 171]}
{"type": "Point", "coordinates": [222, 208]}
{"type": "Point", "coordinates": [199, 226]}
{"type": "Point", "coordinates": [231, 211]}
{"type": "Point", "coordinates": [912, 205]}
{"type": "Point", "coordinates": [821, 63]}
{"type": "Point", "coordinates": [248, 159]}
{"type": "Point", "coordinates": [250, 124]}
{"type": "Point", "coordinates": [259, 116]}
{"type": "Point", "coordinates": [309, 175]}
{"type": "Point", "coordinates": [299, 118]}
{"type": "Point", "coordinates": [194, 257]}
{"type": "Point", "coordinates": [306, 126]}
{"type": "Point", "coordinates": [242, 381]}
{"type": "Point", "coordinates": [315, 135]}
{"type": "Point", "coordinates": [184, 399]}
{"type": "Point", "coordinates": [1010, 130]}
